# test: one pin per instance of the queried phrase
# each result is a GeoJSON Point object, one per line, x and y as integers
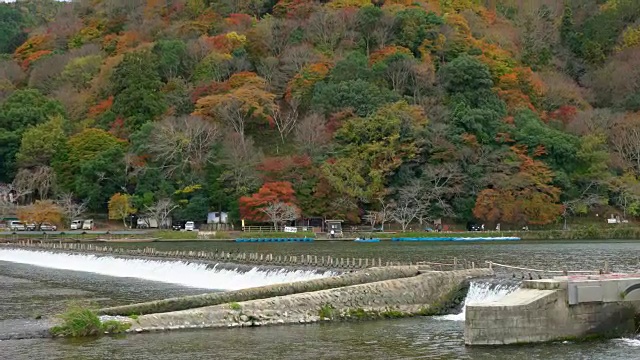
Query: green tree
{"type": "Point", "coordinates": [41, 143]}
{"type": "Point", "coordinates": [370, 150]}
{"type": "Point", "coordinates": [215, 66]}
{"type": "Point", "coordinates": [367, 20]}
{"type": "Point", "coordinates": [361, 96]}
{"type": "Point", "coordinates": [100, 177]}
{"type": "Point", "coordinates": [10, 143]}
{"type": "Point", "coordinates": [475, 109]}
{"type": "Point", "coordinates": [466, 75]}
{"type": "Point", "coordinates": [415, 26]}
{"type": "Point", "coordinates": [88, 144]}
{"type": "Point", "coordinates": [79, 71]}
{"type": "Point", "coordinates": [355, 66]}
{"type": "Point", "coordinates": [25, 108]}
{"type": "Point", "coordinates": [21, 110]}
{"type": "Point", "coordinates": [92, 166]}
{"type": "Point", "coordinates": [11, 28]}
{"type": "Point", "coordinates": [173, 58]}
{"type": "Point", "coordinates": [567, 32]}
{"type": "Point", "coordinates": [136, 88]}
{"type": "Point", "coordinates": [561, 148]}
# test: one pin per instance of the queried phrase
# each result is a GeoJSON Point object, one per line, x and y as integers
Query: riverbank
{"type": "Point", "coordinates": [592, 232]}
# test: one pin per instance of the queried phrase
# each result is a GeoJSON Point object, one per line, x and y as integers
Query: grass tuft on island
{"type": "Point", "coordinates": [83, 322]}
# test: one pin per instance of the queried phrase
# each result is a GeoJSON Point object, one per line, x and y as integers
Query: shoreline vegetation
{"type": "Point", "coordinates": [591, 232]}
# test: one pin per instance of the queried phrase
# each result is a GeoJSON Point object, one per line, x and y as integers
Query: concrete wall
{"type": "Point", "coordinates": [190, 302]}
{"type": "Point", "coordinates": [421, 294]}
{"type": "Point", "coordinates": [531, 315]}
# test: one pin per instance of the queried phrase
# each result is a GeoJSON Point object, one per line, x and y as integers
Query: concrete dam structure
{"type": "Point", "coordinates": [388, 292]}
{"type": "Point", "coordinates": [257, 295]}
{"type": "Point", "coordinates": [562, 308]}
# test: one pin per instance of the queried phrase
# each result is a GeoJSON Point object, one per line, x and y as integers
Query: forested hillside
{"type": "Point", "coordinates": [511, 111]}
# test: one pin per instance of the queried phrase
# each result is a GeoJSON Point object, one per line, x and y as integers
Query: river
{"type": "Point", "coordinates": [43, 285]}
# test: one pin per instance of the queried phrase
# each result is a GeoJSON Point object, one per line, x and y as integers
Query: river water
{"type": "Point", "coordinates": [37, 284]}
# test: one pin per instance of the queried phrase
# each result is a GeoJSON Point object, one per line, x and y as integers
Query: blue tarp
{"type": "Point", "coordinates": [459, 239]}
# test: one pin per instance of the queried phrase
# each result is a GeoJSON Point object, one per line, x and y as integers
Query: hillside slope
{"type": "Point", "coordinates": [519, 112]}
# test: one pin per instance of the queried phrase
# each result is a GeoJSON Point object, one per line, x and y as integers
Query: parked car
{"type": "Point", "coordinates": [76, 225]}
{"type": "Point", "coordinates": [31, 227]}
{"type": "Point", "coordinates": [473, 227]}
{"type": "Point", "coordinates": [176, 226]}
{"type": "Point", "coordinates": [190, 226]}
{"type": "Point", "coordinates": [87, 225]}
{"type": "Point", "coordinates": [48, 227]}
{"type": "Point", "coordinates": [17, 226]}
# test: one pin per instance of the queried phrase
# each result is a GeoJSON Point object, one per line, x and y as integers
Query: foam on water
{"type": "Point", "coordinates": [481, 292]}
{"type": "Point", "coordinates": [173, 272]}
{"type": "Point", "coordinates": [630, 342]}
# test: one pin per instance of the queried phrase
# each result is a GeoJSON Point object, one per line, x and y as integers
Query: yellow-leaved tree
{"type": "Point", "coordinates": [120, 207]}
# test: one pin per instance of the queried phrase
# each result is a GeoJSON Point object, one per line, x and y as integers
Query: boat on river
{"type": "Point", "coordinates": [367, 240]}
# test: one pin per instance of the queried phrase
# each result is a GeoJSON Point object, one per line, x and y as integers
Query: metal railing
{"type": "Point", "coordinates": [267, 229]}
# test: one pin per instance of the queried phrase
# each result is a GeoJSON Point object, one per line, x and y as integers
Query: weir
{"type": "Point", "coordinates": [191, 274]}
{"type": "Point", "coordinates": [258, 297]}
{"type": "Point", "coordinates": [360, 295]}
{"type": "Point", "coordinates": [562, 308]}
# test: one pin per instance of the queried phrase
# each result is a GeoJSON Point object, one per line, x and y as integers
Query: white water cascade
{"type": "Point", "coordinates": [173, 272]}
{"type": "Point", "coordinates": [481, 292]}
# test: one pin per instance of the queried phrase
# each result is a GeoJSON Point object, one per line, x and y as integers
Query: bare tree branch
{"type": "Point", "coordinates": [409, 205]}
{"type": "Point", "coordinates": [70, 208]}
{"type": "Point", "coordinates": [181, 143]}
{"type": "Point", "coordinates": [160, 211]}
{"type": "Point", "coordinates": [279, 212]}
{"type": "Point", "coordinates": [240, 160]}
{"type": "Point", "coordinates": [37, 181]}
{"type": "Point", "coordinates": [286, 117]}
{"type": "Point", "coordinates": [311, 134]}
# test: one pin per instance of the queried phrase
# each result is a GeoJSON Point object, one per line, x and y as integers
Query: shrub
{"type": "Point", "coordinates": [82, 322]}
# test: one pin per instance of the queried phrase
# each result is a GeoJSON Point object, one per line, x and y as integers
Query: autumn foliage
{"type": "Point", "coordinates": [525, 197]}
{"type": "Point", "coordinates": [42, 211]}
{"type": "Point", "coordinates": [506, 109]}
{"type": "Point", "coordinates": [271, 192]}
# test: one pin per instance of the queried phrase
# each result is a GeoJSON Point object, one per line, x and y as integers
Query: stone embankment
{"type": "Point", "coordinates": [262, 292]}
{"type": "Point", "coordinates": [423, 293]}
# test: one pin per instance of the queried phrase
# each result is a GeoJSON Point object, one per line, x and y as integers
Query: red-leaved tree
{"type": "Point", "coordinates": [274, 202]}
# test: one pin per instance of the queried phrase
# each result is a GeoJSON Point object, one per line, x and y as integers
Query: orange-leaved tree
{"type": "Point", "coordinates": [524, 197]}
{"type": "Point", "coordinates": [42, 211]}
{"type": "Point", "coordinates": [274, 202]}
{"type": "Point", "coordinates": [246, 100]}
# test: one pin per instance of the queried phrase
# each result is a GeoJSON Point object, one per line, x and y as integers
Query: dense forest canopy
{"type": "Point", "coordinates": [511, 111]}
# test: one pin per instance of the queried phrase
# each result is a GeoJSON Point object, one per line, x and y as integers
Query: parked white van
{"type": "Point", "coordinates": [189, 226]}
{"type": "Point", "coordinates": [76, 225]}
{"type": "Point", "coordinates": [87, 225]}
{"type": "Point", "coordinates": [17, 226]}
